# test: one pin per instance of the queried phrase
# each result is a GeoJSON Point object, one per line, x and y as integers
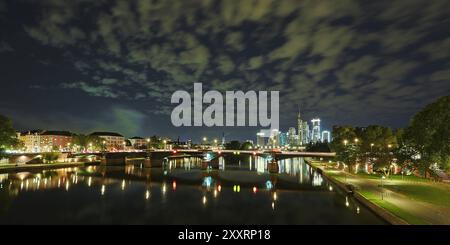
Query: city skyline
{"type": "Point", "coordinates": [115, 69]}
{"type": "Point", "coordinates": [247, 114]}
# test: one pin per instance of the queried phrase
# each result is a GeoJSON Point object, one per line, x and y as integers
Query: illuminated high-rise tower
{"type": "Point", "coordinates": [291, 136]}
{"type": "Point", "coordinates": [300, 128]}
{"type": "Point", "coordinates": [260, 142]}
{"type": "Point", "coordinates": [274, 138]}
{"type": "Point", "coordinates": [306, 135]}
{"type": "Point", "coordinates": [326, 136]}
{"type": "Point", "coordinates": [315, 133]}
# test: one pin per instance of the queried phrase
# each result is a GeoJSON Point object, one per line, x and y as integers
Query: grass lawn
{"type": "Point", "coordinates": [411, 178]}
{"type": "Point", "coordinates": [408, 217]}
{"type": "Point", "coordinates": [414, 187]}
{"type": "Point", "coordinates": [434, 194]}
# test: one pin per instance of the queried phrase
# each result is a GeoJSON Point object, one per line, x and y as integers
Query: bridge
{"type": "Point", "coordinates": [155, 158]}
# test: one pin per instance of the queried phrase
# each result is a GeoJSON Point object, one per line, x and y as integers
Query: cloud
{"type": "Point", "coordinates": [127, 121]}
{"type": "Point", "coordinates": [225, 64]}
{"type": "Point", "coordinates": [255, 62]}
{"type": "Point", "coordinates": [320, 54]}
{"type": "Point", "coordinates": [94, 90]}
{"type": "Point", "coordinates": [124, 120]}
{"type": "Point", "coordinates": [437, 50]}
{"type": "Point", "coordinates": [5, 47]}
{"type": "Point", "coordinates": [109, 81]}
{"type": "Point", "coordinates": [442, 75]}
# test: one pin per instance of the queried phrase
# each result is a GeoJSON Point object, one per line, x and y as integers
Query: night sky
{"type": "Point", "coordinates": [113, 65]}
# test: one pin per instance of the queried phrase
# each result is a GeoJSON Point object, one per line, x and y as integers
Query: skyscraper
{"type": "Point", "coordinates": [283, 139]}
{"type": "Point", "coordinates": [306, 135]}
{"type": "Point", "coordinates": [291, 136]}
{"type": "Point", "coordinates": [275, 138]}
{"type": "Point", "coordinates": [315, 134]}
{"type": "Point", "coordinates": [300, 129]}
{"type": "Point", "coordinates": [260, 139]}
{"type": "Point", "coordinates": [326, 136]}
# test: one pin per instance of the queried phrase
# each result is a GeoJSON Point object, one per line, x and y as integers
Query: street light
{"type": "Point", "coordinates": [356, 140]}
{"type": "Point", "coordinates": [345, 142]}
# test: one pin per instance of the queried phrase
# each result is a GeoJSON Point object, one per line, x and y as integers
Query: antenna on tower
{"type": "Point", "coordinates": [223, 138]}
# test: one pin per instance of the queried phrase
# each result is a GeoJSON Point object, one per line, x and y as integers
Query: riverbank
{"type": "Point", "coordinates": [404, 200]}
{"type": "Point", "coordinates": [11, 168]}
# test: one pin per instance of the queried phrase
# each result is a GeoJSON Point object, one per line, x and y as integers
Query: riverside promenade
{"type": "Point", "coordinates": [10, 168]}
{"type": "Point", "coordinates": [411, 199]}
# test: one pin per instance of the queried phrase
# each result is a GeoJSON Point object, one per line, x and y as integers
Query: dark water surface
{"type": "Point", "coordinates": [241, 191]}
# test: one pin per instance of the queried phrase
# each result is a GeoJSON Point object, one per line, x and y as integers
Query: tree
{"type": "Point", "coordinates": [233, 145]}
{"type": "Point", "coordinates": [7, 135]}
{"type": "Point", "coordinates": [318, 147]}
{"type": "Point", "coordinates": [88, 142]}
{"type": "Point", "coordinates": [345, 145]}
{"type": "Point", "coordinates": [429, 134]}
{"type": "Point", "coordinates": [405, 153]}
{"type": "Point", "coordinates": [50, 157]}
{"type": "Point", "coordinates": [156, 142]}
{"type": "Point", "coordinates": [356, 145]}
{"type": "Point", "coordinates": [246, 146]}
{"type": "Point", "coordinates": [376, 138]}
{"type": "Point", "coordinates": [383, 162]}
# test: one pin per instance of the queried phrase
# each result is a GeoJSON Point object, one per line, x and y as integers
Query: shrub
{"type": "Point", "coordinates": [50, 157]}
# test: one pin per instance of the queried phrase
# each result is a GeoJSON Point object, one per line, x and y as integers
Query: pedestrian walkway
{"type": "Point", "coordinates": [429, 213]}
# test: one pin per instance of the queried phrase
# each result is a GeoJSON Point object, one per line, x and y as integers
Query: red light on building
{"type": "Point", "coordinates": [174, 151]}
{"type": "Point", "coordinates": [255, 189]}
{"type": "Point", "coordinates": [219, 188]}
{"type": "Point", "coordinates": [174, 185]}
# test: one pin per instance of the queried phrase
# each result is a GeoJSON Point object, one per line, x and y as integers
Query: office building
{"type": "Point", "coordinates": [315, 133]}
{"type": "Point", "coordinates": [326, 136]}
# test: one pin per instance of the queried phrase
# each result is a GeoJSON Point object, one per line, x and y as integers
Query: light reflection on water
{"type": "Point", "coordinates": [184, 191]}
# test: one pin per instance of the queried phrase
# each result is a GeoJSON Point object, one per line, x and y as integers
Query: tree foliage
{"type": "Point", "coordinates": [424, 142]}
{"type": "Point", "coordinates": [429, 133]}
{"type": "Point", "coordinates": [246, 146]}
{"type": "Point", "coordinates": [8, 137]}
{"type": "Point", "coordinates": [50, 157]}
{"type": "Point", "coordinates": [318, 147]}
{"type": "Point", "coordinates": [233, 145]}
{"type": "Point", "coordinates": [355, 145]}
{"type": "Point", "coordinates": [83, 141]}
{"type": "Point", "coordinates": [156, 142]}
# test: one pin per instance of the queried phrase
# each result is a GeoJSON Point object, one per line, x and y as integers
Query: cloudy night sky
{"type": "Point", "coordinates": [113, 65]}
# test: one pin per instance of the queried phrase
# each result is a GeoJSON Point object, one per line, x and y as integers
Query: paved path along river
{"type": "Point", "coordinates": [428, 212]}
